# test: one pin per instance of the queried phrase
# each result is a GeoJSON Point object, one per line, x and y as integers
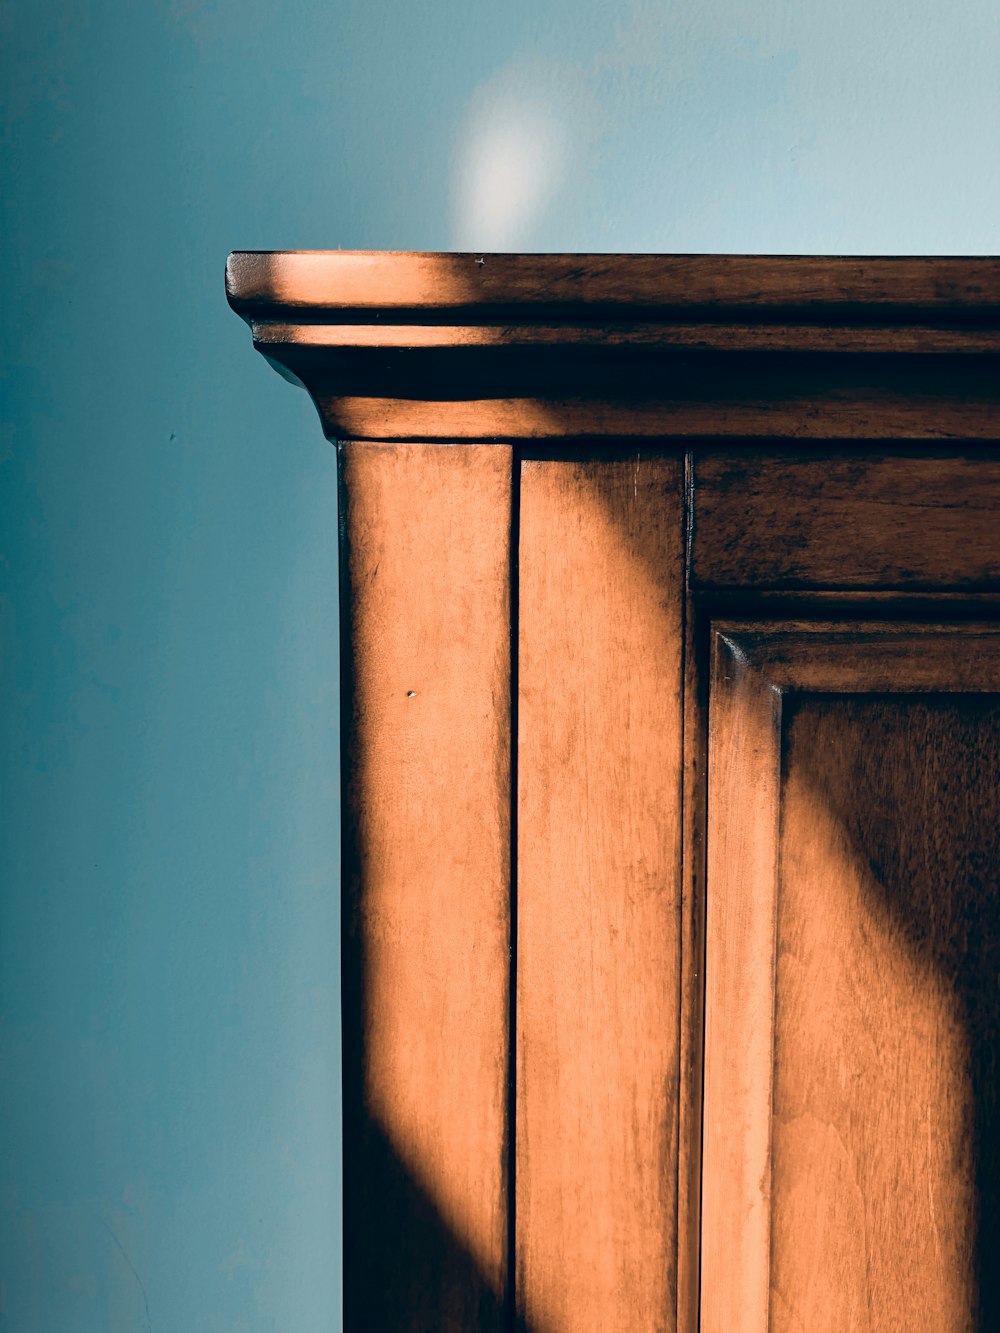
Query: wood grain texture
{"type": "Point", "coordinates": [426, 930]}
{"type": "Point", "coordinates": [964, 406]}
{"type": "Point", "coordinates": [692, 1007]}
{"type": "Point", "coordinates": [904, 518]}
{"type": "Point", "coordinates": [878, 900]}
{"type": "Point", "coordinates": [930, 339]}
{"type": "Point", "coordinates": [598, 956]}
{"type": "Point", "coordinates": [887, 1016]}
{"type": "Point", "coordinates": [743, 805]}
{"type": "Point", "coordinates": [824, 286]}
{"type": "Point", "coordinates": [824, 655]}
{"type": "Point", "coordinates": [625, 347]}
{"type": "Point", "coordinates": [844, 418]}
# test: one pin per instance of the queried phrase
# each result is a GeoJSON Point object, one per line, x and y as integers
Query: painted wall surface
{"type": "Point", "coordinates": [169, 1122]}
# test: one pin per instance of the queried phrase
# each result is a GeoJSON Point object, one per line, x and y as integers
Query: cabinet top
{"type": "Point", "coordinates": [452, 347]}
{"type": "Point", "coordinates": [642, 286]}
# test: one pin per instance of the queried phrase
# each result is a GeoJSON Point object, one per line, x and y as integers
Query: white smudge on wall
{"type": "Point", "coordinates": [511, 156]}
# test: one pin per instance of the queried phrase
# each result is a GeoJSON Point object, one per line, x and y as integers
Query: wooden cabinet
{"type": "Point", "coordinates": [671, 729]}
{"type": "Point", "coordinates": [852, 975]}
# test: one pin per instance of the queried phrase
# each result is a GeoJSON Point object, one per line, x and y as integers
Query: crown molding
{"type": "Point", "coordinates": [464, 347]}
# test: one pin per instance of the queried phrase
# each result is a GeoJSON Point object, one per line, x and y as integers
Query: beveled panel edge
{"type": "Point", "coordinates": [744, 724]}
{"type": "Point", "coordinates": [823, 657]}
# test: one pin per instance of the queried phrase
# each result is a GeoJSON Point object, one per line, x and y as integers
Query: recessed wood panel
{"type": "Point", "coordinates": [852, 1104]}
{"type": "Point", "coordinates": [598, 916]}
{"type": "Point", "coordinates": [907, 518]}
{"type": "Point", "coordinates": [887, 1015]}
{"type": "Point", "coordinates": [426, 890]}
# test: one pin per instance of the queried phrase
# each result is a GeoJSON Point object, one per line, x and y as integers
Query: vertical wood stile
{"type": "Point", "coordinates": [598, 957]}
{"type": "Point", "coordinates": [426, 886]}
{"type": "Point", "coordinates": [743, 778]}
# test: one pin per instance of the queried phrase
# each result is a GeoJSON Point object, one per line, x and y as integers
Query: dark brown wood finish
{"type": "Point", "coordinates": [485, 285]}
{"type": "Point", "coordinates": [635, 399]}
{"type": "Point", "coordinates": [624, 347]}
{"type": "Point", "coordinates": [750, 849]}
{"type": "Point", "coordinates": [906, 518]}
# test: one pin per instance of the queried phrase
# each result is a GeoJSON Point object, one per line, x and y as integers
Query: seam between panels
{"type": "Point", "coordinates": [511, 1162]}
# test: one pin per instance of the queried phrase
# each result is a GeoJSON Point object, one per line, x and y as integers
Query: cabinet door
{"type": "Point", "coordinates": [851, 1168]}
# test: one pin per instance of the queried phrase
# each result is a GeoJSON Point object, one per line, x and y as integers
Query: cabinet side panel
{"type": "Point", "coordinates": [426, 551]}
{"type": "Point", "coordinates": [598, 949]}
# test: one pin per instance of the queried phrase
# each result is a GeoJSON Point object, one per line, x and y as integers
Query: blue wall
{"type": "Point", "coordinates": [168, 923]}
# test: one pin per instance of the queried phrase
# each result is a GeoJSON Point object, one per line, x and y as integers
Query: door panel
{"type": "Point", "coordinates": [853, 956]}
